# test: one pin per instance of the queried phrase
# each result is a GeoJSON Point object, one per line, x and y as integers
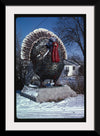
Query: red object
{"type": "Point", "coordinates": [55, 53]}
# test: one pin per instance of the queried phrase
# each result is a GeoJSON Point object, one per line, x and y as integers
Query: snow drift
{"type": "Point", "coordinates": [71, 107]}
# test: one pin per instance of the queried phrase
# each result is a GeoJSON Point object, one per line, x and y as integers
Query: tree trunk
{"type": "Point", "coordinates": [80, 45]}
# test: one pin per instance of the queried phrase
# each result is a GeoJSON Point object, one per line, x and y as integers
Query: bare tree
{"type": "Point", "coordinates": [18, 59]}
{"type": "Point", "coordinates": [71, 30]}
{"type": "Point", "coordinates": [24, 68]}
{"type": "Point", "coordinates": [19, 79]}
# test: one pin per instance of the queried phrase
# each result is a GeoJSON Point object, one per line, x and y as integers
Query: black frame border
{"type": "Point", "coordinates": [96, 4]}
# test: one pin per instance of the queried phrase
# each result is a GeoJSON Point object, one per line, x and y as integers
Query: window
{"type": "Point", "coordinates": [67, 69]}
{"type": "Point", "coordinates": [73, 67]}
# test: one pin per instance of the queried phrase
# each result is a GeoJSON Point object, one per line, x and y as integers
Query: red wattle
{"type": "Point", "coordinates": [55, 53]}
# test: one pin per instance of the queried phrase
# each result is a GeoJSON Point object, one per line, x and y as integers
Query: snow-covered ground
{"type": "Point", "coordinates": [71, 107]}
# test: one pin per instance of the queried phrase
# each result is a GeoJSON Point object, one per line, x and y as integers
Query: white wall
{"type": "Point", "coordinates": [75, 72]}
{"type": "Point", "coordinates": [71, 71]}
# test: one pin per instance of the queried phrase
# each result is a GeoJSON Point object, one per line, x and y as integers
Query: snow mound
{"type": "Point", "coordinates": [71, 107]}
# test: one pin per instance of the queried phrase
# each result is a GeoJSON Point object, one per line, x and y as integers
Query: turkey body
{"type": "Point", "coordinates": [37, 49]}
{"type": "Point", "coordinates": [42, 61]}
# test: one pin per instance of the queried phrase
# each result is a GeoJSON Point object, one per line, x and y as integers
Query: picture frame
{"type": "Point", "coordinates": [85, 3]}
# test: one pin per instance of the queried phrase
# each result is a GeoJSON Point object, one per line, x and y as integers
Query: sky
{"type": "Point", "coordinates": [25, 25]}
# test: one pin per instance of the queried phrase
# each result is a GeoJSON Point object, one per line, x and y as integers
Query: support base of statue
{"type": "Point", "coordinates": [47, 94]}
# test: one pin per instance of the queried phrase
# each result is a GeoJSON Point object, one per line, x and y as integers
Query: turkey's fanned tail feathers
{"type": "Point", "coordinates": [34, 37]}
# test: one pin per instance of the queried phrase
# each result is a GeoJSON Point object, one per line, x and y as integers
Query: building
{"type": "Point", "coordinates": [71, 69]}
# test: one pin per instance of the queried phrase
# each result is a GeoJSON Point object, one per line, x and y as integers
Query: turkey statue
{"type": "Point", "coordinates": [47, 53]}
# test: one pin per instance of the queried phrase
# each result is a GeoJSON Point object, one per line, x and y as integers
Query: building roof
{"type": "Point", "coordinates": [70, 62]}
